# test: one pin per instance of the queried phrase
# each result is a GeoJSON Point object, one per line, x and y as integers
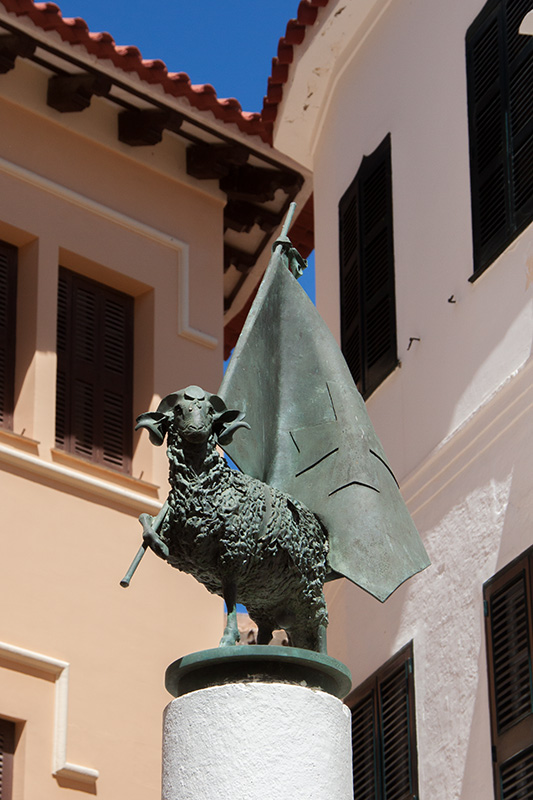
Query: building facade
{"type": "Point", "coordinates": [129, 220]}
{"type": "Point", "coordinates": [135, 216]}
{"type": "Point", "coordinates": [416, 121]}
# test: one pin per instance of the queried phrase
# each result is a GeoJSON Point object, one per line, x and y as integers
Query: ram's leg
{"type": "Point", "coordinates": [322, 639]}
{"type": "Point", "coordinates": [322, 617]}
{"type": "Point", "coordinates": [231, 633]}
{"type": "Point", "coordinates": [310, 633]}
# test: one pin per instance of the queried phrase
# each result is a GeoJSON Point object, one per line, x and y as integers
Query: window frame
{"type": "Point", "coordinates": [71, 368]}
{"type": "Point", "coordinates": [367, 282]}
{"type": "Point", "coordinates": [9, 257]}
{"type": "Point", "coordinates": [7, 753]}
{"type": "Point", "coordinates": [510, 739]}
{"type": "Point", "coordinates": [370, 692]}
{"type": "Point", "coordinates": [484, 170]}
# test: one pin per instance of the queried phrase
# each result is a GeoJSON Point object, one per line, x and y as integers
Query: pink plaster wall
{"type": "Point", "coordinates": [71, 195]}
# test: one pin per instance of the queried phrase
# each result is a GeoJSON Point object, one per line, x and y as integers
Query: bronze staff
{"type": "Point", "coordinates": [147, 522]}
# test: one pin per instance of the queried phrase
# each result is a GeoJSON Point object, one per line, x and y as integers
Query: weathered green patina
{"type": "Point", "coordinates": [316, 499]}
{"type": "Point", "coordinates": [257, 663]}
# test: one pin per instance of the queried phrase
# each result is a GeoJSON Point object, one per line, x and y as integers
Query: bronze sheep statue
{"type": "Point", "coordinates": [317, 499]}
{"type": "Point", "coordinates": [242, 539]}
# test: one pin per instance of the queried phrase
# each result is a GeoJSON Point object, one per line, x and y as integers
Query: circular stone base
{"type": "Point", "coordinates": [257, 663]}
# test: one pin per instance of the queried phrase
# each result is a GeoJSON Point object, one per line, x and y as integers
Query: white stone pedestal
{"type": "Point", "coordinates": [257, 741]}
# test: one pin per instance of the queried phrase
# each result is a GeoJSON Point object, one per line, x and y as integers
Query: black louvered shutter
{"type": "Point", "coordinates": [520, 77]}
{"type": "Point", "coordinates": [368, 310]}
{"type": "Point", "coordinates": [383, 733]}
{"type": "Point", "coordinates": [8, 307]}
{"type": "Point", "coordinates": [94, 371]}
{"type": "Point", "coordinates": [500, 106]}
{"type": "Point", "coordinates": [397, 727]}
{"type": "Point", "coordinates": [351, 281]}
{"type": "Point", "coordinates": [365, 750]}
{"type": "Point", "coordinates": [509, 635]}
{"type": "Point", "coordinates": [7, 749]}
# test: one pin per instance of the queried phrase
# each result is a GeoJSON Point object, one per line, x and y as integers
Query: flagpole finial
{"type": "Point", "coordinates": [288, 219]}
{"type": "Point", "coordinates": [296, 263]}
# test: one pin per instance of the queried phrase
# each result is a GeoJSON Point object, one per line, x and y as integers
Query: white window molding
{"type": "Point", "coordinates": [61, 768]}
{"type": "Point", "coordinates": [181, 249]}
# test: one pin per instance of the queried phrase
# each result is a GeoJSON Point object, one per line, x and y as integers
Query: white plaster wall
{"type": "Point", "coordinates": [473, 505]}
{"type": "Point", "coordinates": [456, 418]}
{"type": "Point", "coordinates": [408, 78]}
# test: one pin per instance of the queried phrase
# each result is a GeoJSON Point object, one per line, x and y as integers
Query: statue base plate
{"type": "Point", "coordinates": [259, 664]}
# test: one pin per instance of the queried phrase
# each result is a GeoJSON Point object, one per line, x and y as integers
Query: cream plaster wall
{"type": "Point", "coordinates": [71, 195]}
{"type": "Point", "coordinates": [455, 417]}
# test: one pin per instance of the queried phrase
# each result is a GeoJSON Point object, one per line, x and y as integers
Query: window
{"type": "Point", "coordinates": [7, 748]}
{"type": "Point", "coordinates": [500, 107]}
{"type": "Point", "coordinates": [8, 303]}
{"type": "Point", "coordinates": [384, 733]}
{"type": "Point", "coordinates": [368, 314]}
{"type": "Point", "coordinates": [94, 371]}
{"type": "Point", "coordinates": [508, 615]}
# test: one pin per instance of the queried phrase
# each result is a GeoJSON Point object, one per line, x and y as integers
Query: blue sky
{"type": "Point", "coordinates": [228, 44]}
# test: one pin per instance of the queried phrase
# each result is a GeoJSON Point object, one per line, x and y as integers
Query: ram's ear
{"type": "Point", "coordinates": [218, 404]}
{"type": "Point", "coordinates": [168, 403]}
{"type": "Point", "coordinates": [227, 423]}
{"type": "Point", "coordinates": [156, 424]}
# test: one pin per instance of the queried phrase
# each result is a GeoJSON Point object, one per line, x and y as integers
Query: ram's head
{"type": "Point", "coordinates": [194, 414]}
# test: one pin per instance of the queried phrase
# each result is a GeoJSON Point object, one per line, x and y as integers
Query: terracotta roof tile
{"type": "Point", "coordinates": [307, 13]}
{"type": "Point", "coordinates": [48, 17]}
{"type": "Point", "coordinates": [274, 92]}
{"type": "Point", "coordinates": [295, 32]}
{"type": "Point", "coordinates": [285, 52]}
{"type": "Point", "coordinates": [280, 72]}
{"type": "Point", "coordinates": [154, 71]}
{"type": "Point", "coordinates": [294, 36]}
